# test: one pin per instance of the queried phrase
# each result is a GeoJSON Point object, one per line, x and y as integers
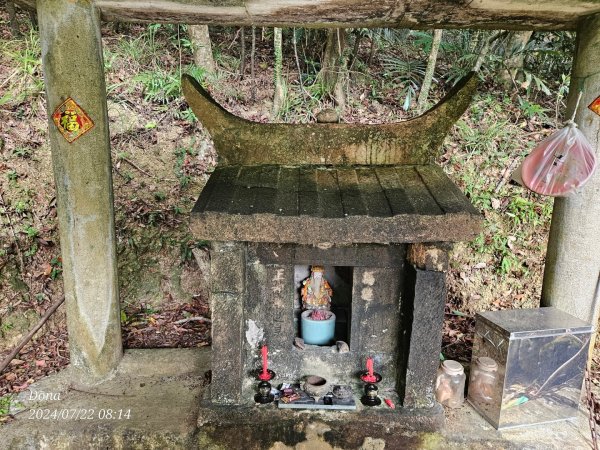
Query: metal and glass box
{"type": "Point", "coordinates": [528, 366]}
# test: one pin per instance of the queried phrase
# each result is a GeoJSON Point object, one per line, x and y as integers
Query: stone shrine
{"type": "Point", "coordinates": [379, 222]}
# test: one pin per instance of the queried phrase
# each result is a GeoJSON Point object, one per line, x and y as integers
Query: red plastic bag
{"type": "Point", "coordinates": [560, 164]}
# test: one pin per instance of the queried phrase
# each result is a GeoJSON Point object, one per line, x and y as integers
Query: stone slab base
{"type": "Point", "coordinates": [266, 426]}
{"type": "Point", "coordinates": [150, 402]}
{"type": "Point", "coordinates": [163, 388]}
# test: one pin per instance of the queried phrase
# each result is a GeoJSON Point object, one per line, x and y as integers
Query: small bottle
{"type": "Point", "coordinates": [450, 384]}
{"type": "Point", "coordinates": [482, 383]}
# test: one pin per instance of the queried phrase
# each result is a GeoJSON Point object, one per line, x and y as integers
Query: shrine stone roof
{"type": "Point", "coordinates": [333, 204]}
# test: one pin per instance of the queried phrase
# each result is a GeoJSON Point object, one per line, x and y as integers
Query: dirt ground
{"type": "Point", "coordinates": [162, 157]}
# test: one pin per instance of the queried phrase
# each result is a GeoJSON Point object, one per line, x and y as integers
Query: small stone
{"type": "Point", "coordinates": [328, 116]}
{"type": "Point", "coordinates": [299, 342]}
{"type": "Point", "coordinates": [342, 347]}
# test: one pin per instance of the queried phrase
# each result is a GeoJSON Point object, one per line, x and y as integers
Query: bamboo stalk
{"type": "Point", "coordinates": [31, 333]}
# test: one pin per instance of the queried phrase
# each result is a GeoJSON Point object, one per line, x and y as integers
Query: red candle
{"type": "Point", "coordinates": [370, 367]}
{"type": "Point", "coordinates": [369, 375]}
{"type": "Point", "coordinates": [264, 361]}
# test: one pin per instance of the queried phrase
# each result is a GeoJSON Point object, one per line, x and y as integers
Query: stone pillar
{"type": "Point", "coordinates": [425, 314]}
{"type": "Point", "coordinates": [73, 68]}
{"type": "Point", "coordinates": [572, 273]}
{"type": "Point", "coordinates": [228, 287]}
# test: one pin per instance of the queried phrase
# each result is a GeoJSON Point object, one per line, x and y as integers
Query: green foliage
{"type": "Point", "coordinates": [526, 211]}
{"type": "Point", "coordinates": [532, 110]}
{"type": "Point", "coordinates": [56, 264]}
{"type": "Point", "coordinates": [188, 245]}
{"type": "Point", "coordinates": [31, 232]}
{"type": "Point", "coordinates": [163, 86]}
{"type": "Point", "coordinates": [134, 50]}
{"type": "Point", "coordinates": [550, 54]}
{"type": "Point", "coordinates": [181, 154]}
{"type": "Point", "coordinates": [25, 81]}
{"type": "Point", "coordinates": [12, 175]}
{"type": "Point", "coordinates": [487, 136]}
{"type": "Point", "coordinates": [21, 206]}
{"type": "Point", "coordinates": [406, 76]}
{"type": "Point", "coordinates": [5, 403]}
{"type": "Point", "coordinates": [32, 250]}
{"type": "Point", "coordinates": [160, 86]}
{"type": "Point", "coordinates": [23, 152]}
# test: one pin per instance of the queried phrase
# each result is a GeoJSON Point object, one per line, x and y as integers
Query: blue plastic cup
{"type": "Point", "coordinates": [317, 332]}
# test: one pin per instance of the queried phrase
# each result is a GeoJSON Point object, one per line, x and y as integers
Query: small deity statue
{"type": "Point", "coordinates": [316, 291]}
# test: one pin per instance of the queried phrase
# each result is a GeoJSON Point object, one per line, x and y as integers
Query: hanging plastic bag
{"type": "Point", "coordinates": [560, 164]}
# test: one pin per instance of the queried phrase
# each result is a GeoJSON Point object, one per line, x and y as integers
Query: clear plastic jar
{"type": "Point", "coordinates": [483, 379]}
{"type": "Point", "coordinates": [450, 384]}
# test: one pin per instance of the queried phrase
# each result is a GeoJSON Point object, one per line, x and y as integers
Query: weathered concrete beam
{"type": "Point", "coordinates": [73, 68]}
{"type": "Point", "coordinates": [421, 14]}
{"type": "Point", "coordinates": [492, 14]}
{"type": "Point", "coordinates": [572, 274]}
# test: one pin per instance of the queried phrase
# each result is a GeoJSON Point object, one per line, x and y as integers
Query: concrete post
{"type": "Point", "coordinates": [73, 68]}
{"type": "Point", "coordinates": [572, 274]}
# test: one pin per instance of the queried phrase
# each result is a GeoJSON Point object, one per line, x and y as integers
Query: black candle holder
{"type": "Point", "coordinates": [264, 393]}
{"type": "Point", "coordinates": [370, 398]}
{"type": "Point", "coordinates": [264, 387]}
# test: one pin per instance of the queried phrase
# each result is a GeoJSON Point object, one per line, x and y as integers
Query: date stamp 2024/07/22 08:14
{"type": "Point", "coordinates": [78, 413]}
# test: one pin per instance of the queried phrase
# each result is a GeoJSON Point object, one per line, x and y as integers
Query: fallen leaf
{"type": "Point", "coordinates": [10, 376]}
{"type": "Point", "coordinates": [17, 362]}
{"type": "Point", "coordinates": [44, 242]}
{"type": "Point", "coordinates": [40, 363]}
{"type": "Point", "coordinates": [47, 269]}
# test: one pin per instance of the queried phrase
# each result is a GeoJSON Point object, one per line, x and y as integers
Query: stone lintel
{"type": "Point", "coordinates": [357, 255]}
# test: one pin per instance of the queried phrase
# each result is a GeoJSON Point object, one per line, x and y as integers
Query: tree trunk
{"type": "Point", "coordinates": [428, 78]}
{"type": "Point", "coordinates": [355, 49]}
{"type": "Point", "coordinates": [203, 56]}
{"type": "Point", "coordinates": [279, 95]}
{"type": "Point", "coordinates": [333, 66]}
{"type": "Point", "coordinates": [243, 52]}
{"type": "Point", "coordinates": [12, 17]}
{"type": "Point", "coordinates": [514, 57]}
{"type": "Point", "coordinates": [372, 49]}
{"type": "Point", "coordinates": [252, 52]}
